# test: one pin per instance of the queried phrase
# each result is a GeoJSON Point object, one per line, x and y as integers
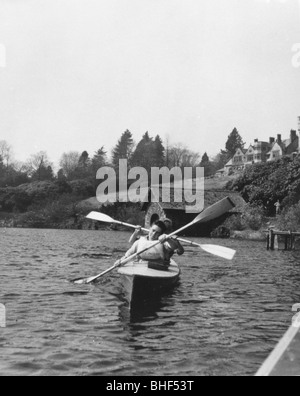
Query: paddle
{"type": "Point", "coordinates": [216, 250]}
{"type": "Point", "coordinates": [218, 209]}
{"type": "Point", "coordinates": [117, 264]}
{"type": "Point", "coordinates": [202, 217]}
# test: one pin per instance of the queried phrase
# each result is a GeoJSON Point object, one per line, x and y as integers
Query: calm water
{"type": "Point", "coordinates": [223, 318]}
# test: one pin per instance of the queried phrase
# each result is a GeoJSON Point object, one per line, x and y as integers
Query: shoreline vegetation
{"type": "Point", "coordinates": [64, 205]}
{"type": "Point", "coordinates": [31, 196]}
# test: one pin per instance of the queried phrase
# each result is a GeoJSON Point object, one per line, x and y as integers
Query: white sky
{"type": "Point", "coordinates": [80, 72]}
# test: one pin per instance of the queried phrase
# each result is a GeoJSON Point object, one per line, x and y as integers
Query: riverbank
{"type": "Point", "coordinates": [78, 221]}
{"type": "Point", "coordinates": [249, 235]}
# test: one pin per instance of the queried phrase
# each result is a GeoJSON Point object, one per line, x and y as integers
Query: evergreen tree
{"type": "Point", "coordinates": [83, 169]}
{"type": "Point", "coordinates": [209, 167]}
{"type": "Point", "coordinates": [143, 155]}
{"type": "Point", "coordinates": [123, 149]}
{"type": "Point", "coordinates": [99, 160]}
{"type": "Point", "coordinates": [43, 173]}
{"type": "Point", "coordinates": [234, 142]}
{"type": "Point", "coordinates": [159, 152]}
{"type": "Point", "coordinates": [205, 160]}
{"type": "Point", "coordinates": [84, 159]}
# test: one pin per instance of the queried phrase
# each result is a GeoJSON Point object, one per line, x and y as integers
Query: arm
{"type": "Point", "coordinates": [132, 250]}
{"type": "Point", "coordinates": [172, 245]}
{"type": "Point", "coordinates": [135, 236]}
{"type": "Point", "coordinates": [180, 249]}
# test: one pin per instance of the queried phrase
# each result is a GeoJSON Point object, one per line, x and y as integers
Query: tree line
{"type": "Point", "coordinates": [147, 153]}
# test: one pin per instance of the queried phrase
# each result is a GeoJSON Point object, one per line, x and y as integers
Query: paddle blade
{"type": "Point", "coordinates": [215, 211]}
{"type": "Point", "coordinates": [100, 217]}
{"type": "Point", "coordinates": [219, 251]}
{"type": "Point", "coordinates": [79, 281]}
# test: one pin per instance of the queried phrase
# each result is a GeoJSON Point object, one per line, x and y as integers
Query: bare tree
{"type": "Point", "coordinates": [180, 155]}
{"type": "Point", "coordinates": [5, 152]}
{"type": "Point", "coordinates": [69, 162]}
{"type": "Point", "coordinates": [37, 163]}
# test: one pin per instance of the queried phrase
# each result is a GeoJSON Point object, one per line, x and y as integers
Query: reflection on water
{"type": "Point", "coordinates": [223, 318]}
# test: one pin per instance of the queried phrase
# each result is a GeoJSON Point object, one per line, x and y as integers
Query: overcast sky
{"type": "Point", "coordinates": [80, 72]}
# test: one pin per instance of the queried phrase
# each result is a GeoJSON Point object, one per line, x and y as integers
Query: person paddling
{"type": "Point", "coordinates": [172, 246]}
{"type": "Point", "coordinates": [157, 257]}
{"type": "Point", "coordinates": [160, 256]}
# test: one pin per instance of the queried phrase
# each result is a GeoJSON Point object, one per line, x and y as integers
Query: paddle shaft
{"type": "Point", "coordinates": [147, 231]}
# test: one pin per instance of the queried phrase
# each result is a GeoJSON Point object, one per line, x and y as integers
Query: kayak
{"type": "Point", "coordinates": [141, 283]}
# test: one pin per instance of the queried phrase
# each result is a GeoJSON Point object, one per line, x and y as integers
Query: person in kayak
{"type": "Point", "coordinates": [157, 257]}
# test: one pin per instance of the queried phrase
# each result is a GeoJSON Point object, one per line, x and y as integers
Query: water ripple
{"type": "Point", "coordinates": [222, 319]}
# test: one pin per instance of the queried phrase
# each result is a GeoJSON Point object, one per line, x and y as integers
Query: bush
{"type": "Point", "coordinates": [83, 188]}
{"type": "Point", "coordinates": [252, 218]}
{"type": "Point", "coordinates": [235, 223]}
{"type": "Point", "coordinates": [264, 184]}
{"type": "Point", "coordinates": [126, 212]}
{"type": "Point", "coordinates": [289, 220]}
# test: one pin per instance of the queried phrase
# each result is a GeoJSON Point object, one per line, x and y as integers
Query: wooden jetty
{"type": "Point", "coordinates": [284, 361]}
{"type": "Point", "coordinates": [289, 239]}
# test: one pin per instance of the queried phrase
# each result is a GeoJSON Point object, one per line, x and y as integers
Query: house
{"type": "Point", "coordinates": [237, 162]}
{"type": "Point", "coordinates": [261, 152]}
{"type": "Point", "coordinates": [281, 148]}
{"type": "Point", "coordinates": [177, 213]}
{"type": "Point", "coordinates": [261, 149]}
{"type": "Point", "coordinates": [221, 173]}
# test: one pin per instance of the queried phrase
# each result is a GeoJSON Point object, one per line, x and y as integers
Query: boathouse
{"type": "Point", "coordinates": [177, 211]}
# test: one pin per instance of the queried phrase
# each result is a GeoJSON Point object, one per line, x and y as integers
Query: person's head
{"type": "Point", "coordinates": [169, 225]}
{"type": "Point", "coordinates": [158, 228]}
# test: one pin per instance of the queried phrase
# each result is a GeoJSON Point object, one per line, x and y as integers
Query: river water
{"type": "Point", "coordinates": [223, 318]}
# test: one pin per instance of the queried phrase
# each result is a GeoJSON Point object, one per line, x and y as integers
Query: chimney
{"type": "Point", "coordinates": [293, 135]}
{"type": "Point", "coordinates": [272, 140]}
{"type": "Point", "coordinates": [256, 141]}
{"type": "Point", "coordinates": [279, 138]}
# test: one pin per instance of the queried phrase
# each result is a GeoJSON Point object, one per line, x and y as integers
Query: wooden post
{"type": "Point", "coordinates": [272, 240]}
{"type": "Point", "coordinates": [286, 247]}
{"type": "Point", "coordinates": [292, 240]}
